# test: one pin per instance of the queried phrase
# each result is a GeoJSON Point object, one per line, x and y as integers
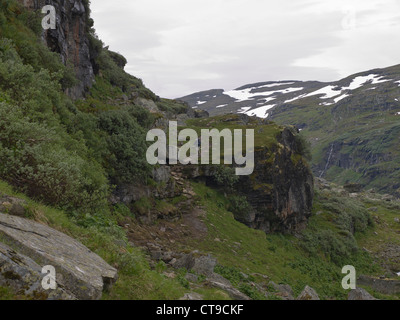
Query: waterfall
{"type": "Point", "coordinates": [328, 161]}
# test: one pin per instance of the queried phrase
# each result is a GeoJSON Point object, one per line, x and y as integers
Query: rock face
{"type": "Point", "coordinates": [80, 272]}
{"type": "Point", "coordinates": [281, 191]}
{"type": "Point", "coordinates": [24, 276]}
{"type": "Point", "coordinates": [69, 39]}
{"type": "Point", "coordinates": [385, 286]}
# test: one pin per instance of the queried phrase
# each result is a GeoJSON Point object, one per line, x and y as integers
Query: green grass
{"type": "Point", "coordinates": [283, 258]}
{"type": "Point", "coordinates": [6, 294]}
{"type": "Point", "coordinates": [136, 279]}
{"type": "Point", "coordinates": [264, 134]}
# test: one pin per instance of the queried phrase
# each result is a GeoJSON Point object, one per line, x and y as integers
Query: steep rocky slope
{"type": "Point", "coordinates": [280, 191]}
{"type": "Point", "coordinates": [71, 39]}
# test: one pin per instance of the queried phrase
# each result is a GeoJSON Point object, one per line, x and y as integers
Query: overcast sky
{"type": "Point", "coordinates": [178, 47]}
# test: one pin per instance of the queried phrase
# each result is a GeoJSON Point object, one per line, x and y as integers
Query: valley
{"type": "Point", "coordinates": [78, 193]}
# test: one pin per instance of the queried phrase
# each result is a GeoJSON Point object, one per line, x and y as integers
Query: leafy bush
{"type": "Point", "coordinates": [303, 146]}
{"type": "Point", "coordinates": [225, 176]}
{"type": "Point", "coordinates": [331, 245]}
{"type": "Point", "coordinates": [239, 206]}
{"type": "Point", "coordinates": [50, 148]}
{"type": "Point", "coordinates": [34, 159]}
{"type": "Point", "coordinates": [107, 63]}
{"type": "Point", "coordinates": [126, 144]}
{"type": "Point", "coordinates": [234, 275]}
{"type": "Point", "coordinates": [350, 216]}
{"type": "Point", "coordinates": [172, 106]}
{"type": "Point", "coordinates": [24, 28]}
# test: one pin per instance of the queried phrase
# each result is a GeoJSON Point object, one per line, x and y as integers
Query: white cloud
{"type": "Point", "coordinates": [179, 46]}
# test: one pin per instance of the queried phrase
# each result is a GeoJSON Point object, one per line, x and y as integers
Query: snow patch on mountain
{"type": "Point", "coordinates": [247, 94]}
{"type": "Point", "coordinates": [330, 92]}
{"type": "Point", "coordinates": [358, 82]}
{"type": "Point", "coordinates": [341, 97]}
{"type": "Point", "coordinates": [260, 112]}
{"type": "Point", "coordinates": [327, 92]}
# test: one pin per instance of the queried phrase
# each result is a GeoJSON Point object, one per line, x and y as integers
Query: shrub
{"type": "Point", "coordinates": [240, 207]}
{"type": "Point", "coordinates": [33, 158]}
{"type": "Point", "coordinates": [126, 143]}
{"type": "Point", "coordinates": [303, 146]}
{"type": "Point", "coordinates": [334, 247]}
{"type": "Point", "coordinates": [225, 176]}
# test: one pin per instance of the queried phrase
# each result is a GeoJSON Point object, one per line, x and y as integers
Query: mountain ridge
{"type": "Point", "coordinates": [352, 124]}
{"type": "Point", "coordinates": [234, 100]}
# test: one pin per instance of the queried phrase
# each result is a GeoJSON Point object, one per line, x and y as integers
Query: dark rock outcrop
{"type": "Point", "coordinates": [384, 286]}
{"type": "Point", "coordinates": [70, 39]}
{"type": "Point", "coordinates": [280, 190]}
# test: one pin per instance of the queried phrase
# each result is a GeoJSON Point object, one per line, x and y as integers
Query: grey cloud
{"type": "Point", "coordinates": [185, 46]}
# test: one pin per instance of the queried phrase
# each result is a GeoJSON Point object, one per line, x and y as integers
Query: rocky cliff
{"type": "Point", "coordinates": [276, 197]}
{"type": "Point", "coordinates": [281, 189]}
{"type": "Point", "coordinates": [70, 39]}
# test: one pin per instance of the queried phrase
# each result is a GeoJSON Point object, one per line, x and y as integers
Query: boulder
{"type": "Point", "coordinates": [24, 276]}
{"type": "Point", "coordinates": [78, 270]}
{"type": "Point", "coordinates": [308, 294]}
{"type": "Point", "coordinates": [193, 296]}
{"type": "Point", "coordinates": [12, 205]}
{"type": "Point", "coordinates": [360, 294]}
{"type": "Point", "coordinates": [284, 291]}
{"type": "Point", "coordinates": [186, 262]}
{"type": "Point", "coordinates": [280, 191]}
{"type": "Point", "coordinates": [204, 265]}
{"type": "Point", "coordinates": [147, 104]}
{"type": "Point", "coordinates": [225, 285]}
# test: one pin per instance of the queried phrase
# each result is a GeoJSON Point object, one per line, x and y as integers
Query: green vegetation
{"type": "Point", "coordinates": [315, 259]}
{"type": "Point", "coordinates": [361, 131]}
{"type": "Point", "coordinates": [265, 132]}
{"type": "Point", "coordinates": [105, 237]}
{"type": "Point", "coordinates": [65, 157]}
{"type": "Point", "coordinates": [57, 151]}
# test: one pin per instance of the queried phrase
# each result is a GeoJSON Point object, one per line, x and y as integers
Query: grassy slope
{"type": "Point", "coordinates": [136, 279]}
{"type": "Point", "coordinates": [283, 258]}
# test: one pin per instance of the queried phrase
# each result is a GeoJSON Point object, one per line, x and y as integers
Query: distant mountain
{"type": "Point", "coordinates": [353, 124]}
